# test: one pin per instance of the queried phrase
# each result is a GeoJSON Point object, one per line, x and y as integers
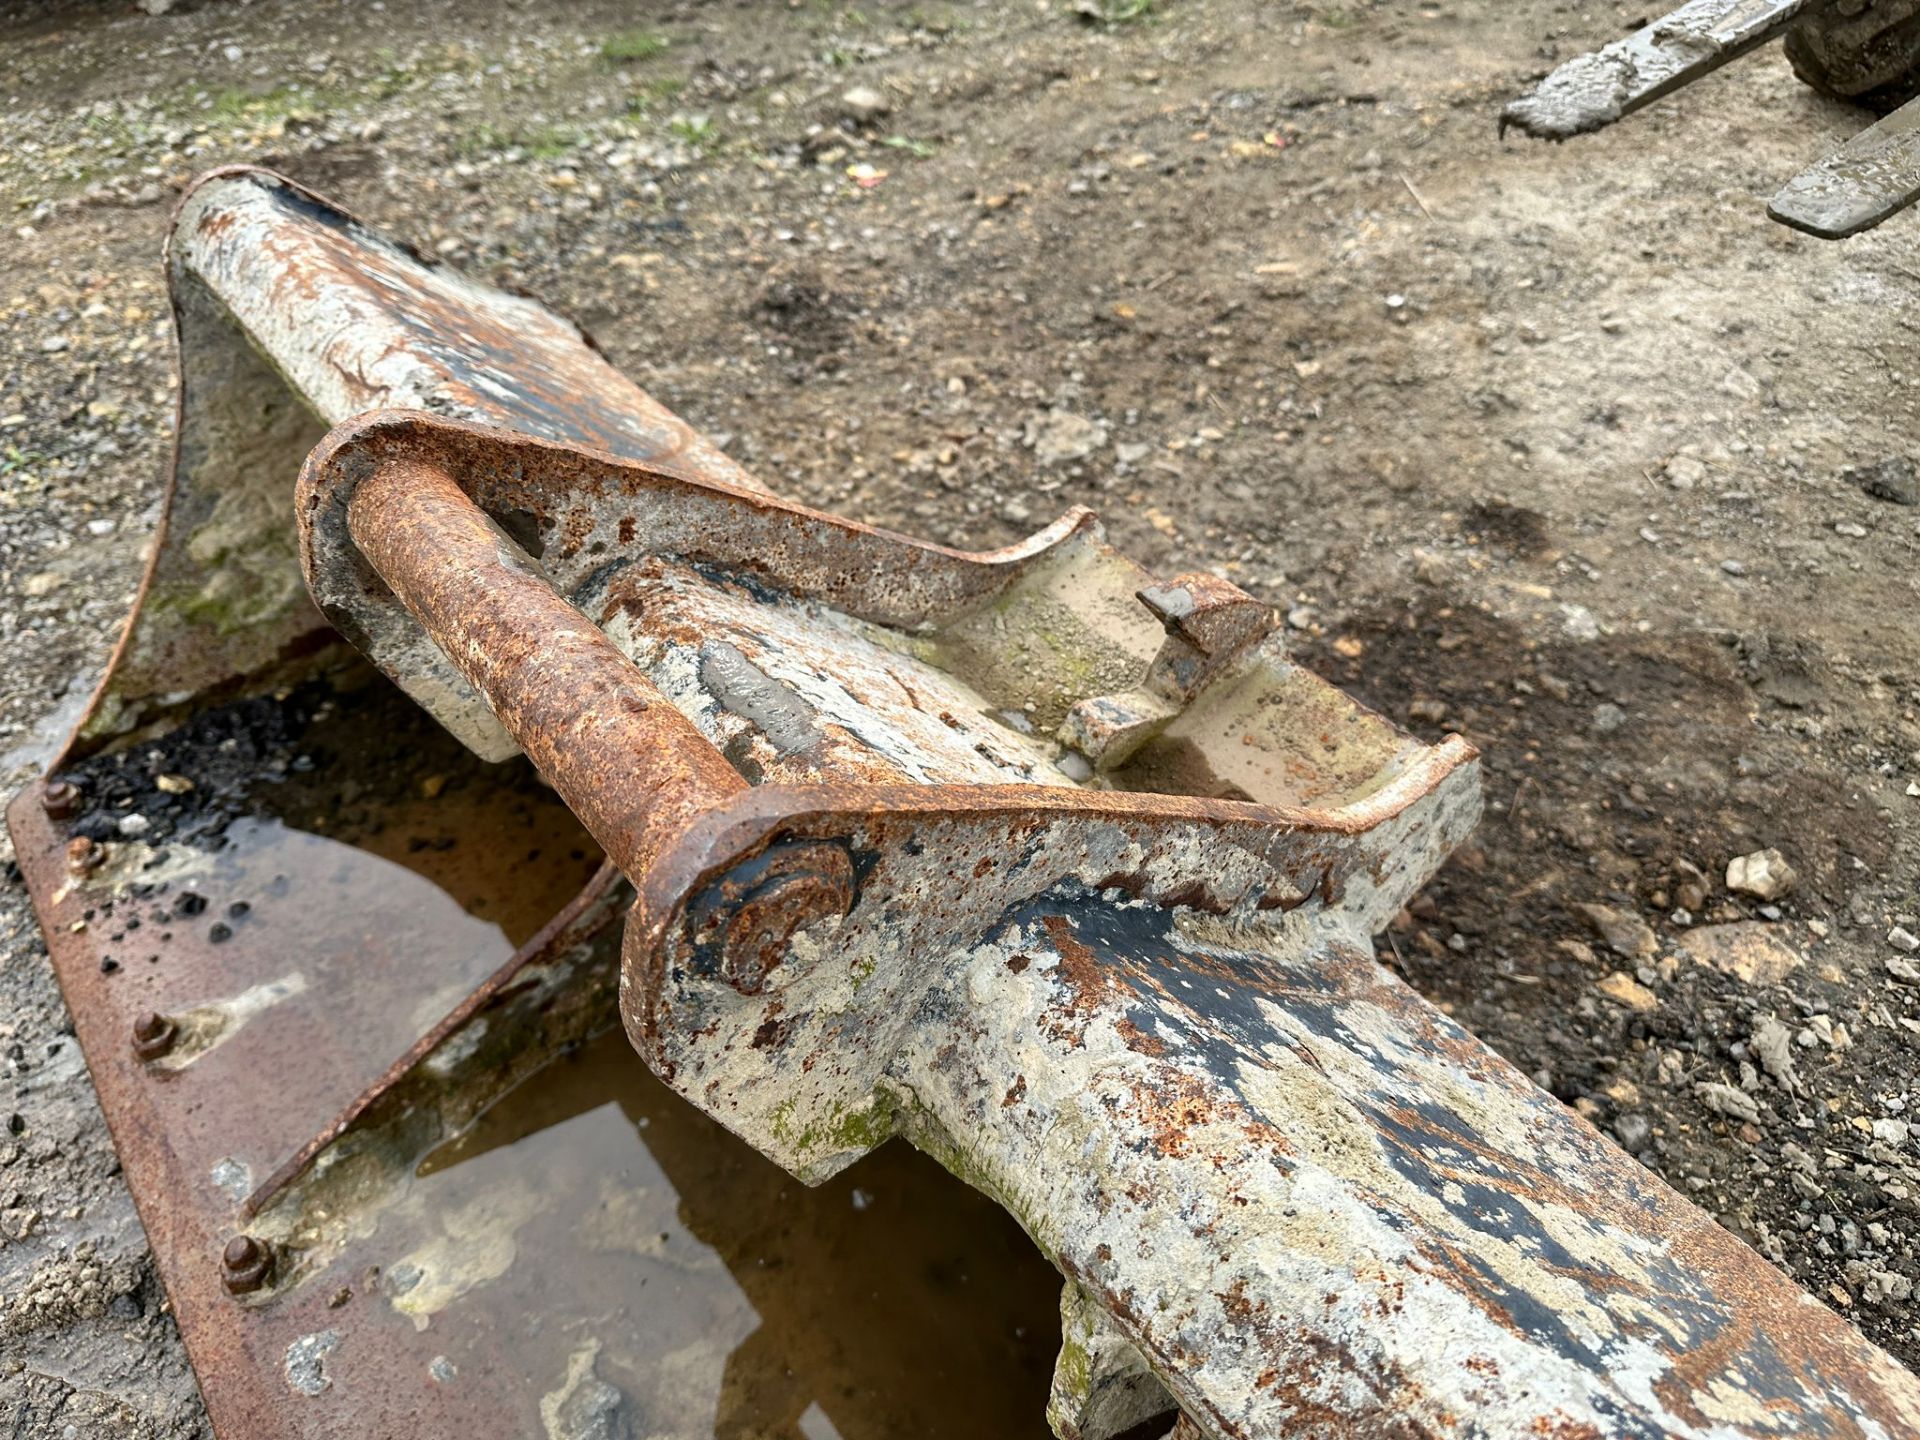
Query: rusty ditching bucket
{"type": "Point", "coordinates": [527, 732]}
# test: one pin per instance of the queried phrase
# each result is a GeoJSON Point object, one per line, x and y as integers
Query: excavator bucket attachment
{"type": "Point", "coordinates": [1061, 872]}
{"type": "Point", "coordinates": [1871, 178]}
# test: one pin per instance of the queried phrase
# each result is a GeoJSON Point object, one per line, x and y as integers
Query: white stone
{"type": "Point", "coordinates": [1764, 874]}
{"type": "Point", "coordinates": [863, 104]}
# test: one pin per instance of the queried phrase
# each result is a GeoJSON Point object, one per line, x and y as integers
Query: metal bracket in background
{"type": "Point", "coordinates": [1592, 91]}
{"type": "Point", "coordinates": [1062, 872]}
{"type": "Point", "coordinates": [1873, 177]}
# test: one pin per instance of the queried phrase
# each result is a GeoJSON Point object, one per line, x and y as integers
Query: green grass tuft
{"type": "Point", "coordinates": [694, 130]}
{"type": "Point", "coordinates": [630, 46]}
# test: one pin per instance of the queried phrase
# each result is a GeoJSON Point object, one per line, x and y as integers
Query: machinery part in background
{"type": "Point", "coordinates": [1592, 91]}
{"type": "Point", "coordinates": [1873, 176]}
{"type": "Point", "coordinates": [1062, 872]}
{"type": "Point", "coordinates": [1863, 51]}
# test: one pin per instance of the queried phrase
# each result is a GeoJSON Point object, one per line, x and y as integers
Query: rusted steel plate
{"type": "Point", "coordinates": [787, 700]}
{"type": "Point", "coordinates": [551, 996]}
{"type": "Point", "coordinates": [1593, 90]}
{"type": "Point", "coordinates": [1316, 1206]}
{"type": "Point", "coordinates": [793, 1065]}
{"type": "Point", "coordinates": [293, 316]}
{"type": "Point", "coordinates": [291, 968]}
{"type": "Point", "coordinates": [360, 323]}
{"type": "Point", "coordinates": [1872, 177]}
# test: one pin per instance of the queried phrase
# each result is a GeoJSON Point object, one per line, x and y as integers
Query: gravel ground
{"type": "Point", "coordinates": [1566, 448]}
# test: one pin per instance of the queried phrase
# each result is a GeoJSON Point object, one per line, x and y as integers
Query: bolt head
{"type": "Point", "coordinates": [59, 799]}
{"type": "Point", "coordinates": [153, 1035]}
{"type": "Point", "coordinates": [245, 1264]}
{"type": "Point", "coordinates": [794, 888]}
{"type": "Point", "coordinates": [83, 856]}
{"type": "Point", "coordinates": [757, 935]}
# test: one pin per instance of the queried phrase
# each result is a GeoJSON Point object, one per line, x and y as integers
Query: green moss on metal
{"type": "Point", "coordinates": [1073, 1372]}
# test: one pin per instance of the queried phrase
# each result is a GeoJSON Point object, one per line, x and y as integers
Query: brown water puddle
{"type": "Point", "coordinates": [593, 1259]}
{"type": "Point", "coordinates": [713, 1293]}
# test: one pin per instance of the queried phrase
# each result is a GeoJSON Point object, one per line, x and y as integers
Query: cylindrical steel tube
{"type": "Point", "coordinates": [632, 767]}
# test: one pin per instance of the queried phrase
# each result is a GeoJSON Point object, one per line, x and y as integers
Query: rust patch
{"type": "Point", "coordinates": [1079, 969]}
{"type": "Point", "coordinates": [1138, 1039]}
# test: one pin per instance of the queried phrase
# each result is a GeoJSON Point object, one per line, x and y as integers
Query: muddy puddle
{"type": "Point", "coordinates": [640, 1269]}
{"type": "Point", "coordinates": [312, 881]}
{"type": "Point", "coordinates": [348, 766]}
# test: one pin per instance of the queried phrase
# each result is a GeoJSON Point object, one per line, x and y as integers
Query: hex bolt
{"type": "Point", "coordinates": [59, 799]}
{"type": "Point", "coordinates": [83, 856]}
{"type": "Point", "coordinates": [808, 883]}
{"type": "Point", "coordinates": [245, 1264]}
{"type": "Point", "coordinates": [153, 1035]}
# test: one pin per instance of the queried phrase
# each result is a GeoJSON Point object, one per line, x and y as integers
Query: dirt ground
{"type": "Point", "coordinates": [1558, 446]}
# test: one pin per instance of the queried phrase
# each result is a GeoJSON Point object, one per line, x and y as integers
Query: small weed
{"type": "Point", "coordinates": [940, 21]}
{"type": "Point", "coordinates": [919, 149]}
{"type": "Point", "coordinates": [631, 46]}
{"type": "Point", "coordinates": [540, 142]}
{"type": "Point", "coordinates": [13, 458]}
{"type": "Point", "coordinates": [237, 109]}
{"type": "Point", "coordinates": [550, 142]}
{"type": "Point", "coordinates": [695, 130]}
{"type": "Point", "coordinates": [482, 139]}
{"type": "Point", "coordinates": [657, 91]}
{"type": "Point", "coordinates": [243, 107]}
